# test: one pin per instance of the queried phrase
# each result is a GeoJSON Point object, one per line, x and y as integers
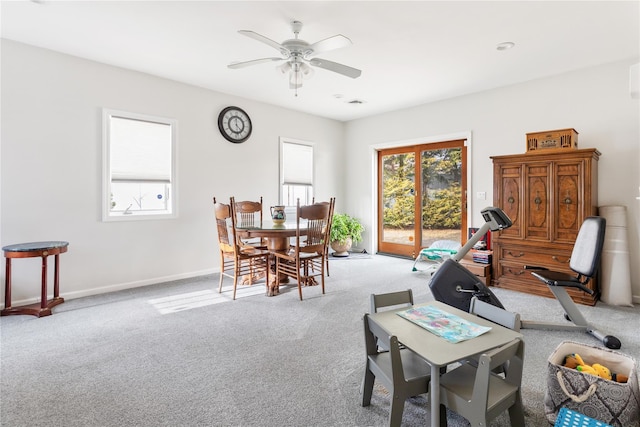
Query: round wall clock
{"type": "Point", "coordinates": [234, 124]}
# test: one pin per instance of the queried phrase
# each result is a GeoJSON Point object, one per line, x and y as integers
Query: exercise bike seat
{"type": "Point", "coordinates": [584, 262]}
{"type": "Point", "coordinates": [558, 278]}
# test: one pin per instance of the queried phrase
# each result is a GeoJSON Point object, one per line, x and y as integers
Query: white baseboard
{"type": "Point", "coordinates": [117, 287]}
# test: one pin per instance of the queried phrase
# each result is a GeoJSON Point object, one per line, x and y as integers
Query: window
{"type": "Point", "coordinates": [296, 172]}
{"type": "Point", "coordinates": [138, 165]}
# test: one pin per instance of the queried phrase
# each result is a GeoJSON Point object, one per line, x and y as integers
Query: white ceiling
{"type": "Point", "coordinates": [410, 53]}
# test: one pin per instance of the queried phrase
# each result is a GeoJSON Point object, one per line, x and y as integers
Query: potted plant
{"type": "Point", "coordinates": [345, 231]}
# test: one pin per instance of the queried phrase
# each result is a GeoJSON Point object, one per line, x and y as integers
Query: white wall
{"type": "Point", "coordinates": [50, 173]}
{"type": "Point", "coordinates": [595, 101]}
{"type": "Point", "coordinates": [51, 170]}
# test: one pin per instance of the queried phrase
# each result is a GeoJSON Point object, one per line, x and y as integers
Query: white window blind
{"type": "Point", "coordinates": [297, 164]}
{"type": "Point", "coordinates": [140, 150]}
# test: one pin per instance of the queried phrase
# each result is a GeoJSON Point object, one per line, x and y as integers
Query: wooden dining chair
{"type": "Point", "coordinates": [236, 259]}
{"type": "Point", "coordinates": [331, 201]}
{"type": "Point", "coordinates": [305, 259]}
{"type": "Point", "coordinates": [249, 214]}
{"type": "Point", "coordinates": [479, 394]}
{"type": "Point", "coordinates": [332, 204]}
{"type": "Point", "coordinates": [402, 372]}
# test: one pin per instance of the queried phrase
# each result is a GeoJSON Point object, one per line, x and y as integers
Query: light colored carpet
{"type": "Point", "coordinates": [180, 354]}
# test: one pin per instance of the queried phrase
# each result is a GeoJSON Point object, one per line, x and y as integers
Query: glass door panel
{"type": "Point", "coordinates": [441, 206]}
{"type": "Point", "coordinates": [396, 235]}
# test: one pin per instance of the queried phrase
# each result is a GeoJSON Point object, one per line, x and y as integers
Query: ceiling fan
{"type": "Point", "coordinates": [300, 55]}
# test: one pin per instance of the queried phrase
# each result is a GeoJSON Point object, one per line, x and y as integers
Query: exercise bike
{"type": "Point", "coordinates": [455, 285]}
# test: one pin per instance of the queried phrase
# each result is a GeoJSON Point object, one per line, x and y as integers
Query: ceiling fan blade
{"type": "Point", "coordinates": [336, 68]}
{"type": "Point", "coordinates": [265, 40]}
{"type": "Point", "coordinates": [332, 43]}
{"type": "Point", "coordinates": [236, 65]}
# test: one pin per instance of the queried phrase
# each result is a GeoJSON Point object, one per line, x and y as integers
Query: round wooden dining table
{"type": "Point", "coordinates": [277, 235]}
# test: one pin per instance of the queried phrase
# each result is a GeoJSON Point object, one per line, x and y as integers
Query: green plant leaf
{"type": "Point", "coordinates": [345, 226]}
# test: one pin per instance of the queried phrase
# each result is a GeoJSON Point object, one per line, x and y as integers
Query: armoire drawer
{"type": "Point", "coordinates": [515, 271]}
{"type": "Point", "coordinates": [557, 259]}
{"type": "Point", "coordinates": [513, 275]}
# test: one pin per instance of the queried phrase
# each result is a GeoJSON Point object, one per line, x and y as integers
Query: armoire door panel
{"type": "Point", "coordinates": [509, 181]}
{"type": "Point", "coordinates": [538, 203]}
{"type": "Point", "coordinates": [569, 204]}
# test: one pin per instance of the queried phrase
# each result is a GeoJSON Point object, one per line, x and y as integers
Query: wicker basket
{"type": "Point", "coordinates": [616, 404]}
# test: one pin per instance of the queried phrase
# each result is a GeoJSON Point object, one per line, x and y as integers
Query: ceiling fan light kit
{"type": "Point", "coordinates": [300, 56]}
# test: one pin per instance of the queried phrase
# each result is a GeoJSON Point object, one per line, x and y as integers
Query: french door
{"type": "Point", "coordinates": [422, 192]}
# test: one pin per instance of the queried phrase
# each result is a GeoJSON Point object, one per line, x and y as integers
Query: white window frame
{"type": "Point", "coordinates": [308, 180]}
{"type": "Point", "coordinates": [107, 177]}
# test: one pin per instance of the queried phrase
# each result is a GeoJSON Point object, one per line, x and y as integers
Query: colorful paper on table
{"type": "Point", "coordinates": [446, 325]}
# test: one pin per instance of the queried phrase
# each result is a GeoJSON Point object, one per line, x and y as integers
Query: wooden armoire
{"type": "Point", "coordinates": [547, 195]}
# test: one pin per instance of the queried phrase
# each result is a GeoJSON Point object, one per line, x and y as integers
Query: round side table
{"type": "Point", "coordinates": [33, 250]}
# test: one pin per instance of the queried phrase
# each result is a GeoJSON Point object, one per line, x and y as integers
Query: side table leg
{"type": "Point", "coordinates": [56, 278]}
{"type": "Point", "coordinates": [7, 285]}
{"type": "Point", "coordinates": [43, 296]}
